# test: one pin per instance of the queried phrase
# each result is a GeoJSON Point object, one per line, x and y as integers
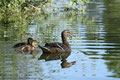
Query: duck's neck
{"type": "Point", "coordinates": [64, 40]}
{"type": "Point", "coordinates": [28, 42]}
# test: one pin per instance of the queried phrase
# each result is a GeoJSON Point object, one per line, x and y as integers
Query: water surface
{"type": "Point", "coordinates": [95, 47]}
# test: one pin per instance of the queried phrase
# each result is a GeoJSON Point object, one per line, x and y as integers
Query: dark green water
{"type": "Point", "coordinates": [95, 47]}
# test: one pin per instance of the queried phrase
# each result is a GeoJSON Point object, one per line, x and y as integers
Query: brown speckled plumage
{"type": "Point", "coordinates": [56, 47]}
{"type": "Point", "coordinates": [29, 40]}
{"type": "Point", "coordinates": [27, 47]}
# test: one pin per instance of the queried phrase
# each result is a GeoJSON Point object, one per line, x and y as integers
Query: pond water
{"type": "Point", "coordinates": [95, 47]}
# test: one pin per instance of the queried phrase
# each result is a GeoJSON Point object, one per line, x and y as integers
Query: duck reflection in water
{"type": "Point", "coordinates": [54, 51]}
{"type": "Point", "coordinates": [62, 56]}
{"type": "Point", "coordinates": [66, 64]}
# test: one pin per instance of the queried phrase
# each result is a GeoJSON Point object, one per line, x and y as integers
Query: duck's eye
{"type": "Point", "coordinates": [68, 32]}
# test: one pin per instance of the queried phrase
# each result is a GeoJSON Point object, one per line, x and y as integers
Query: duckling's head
{"type": "Point", "coordinates": [66, 33]}
{"type": "Point", "coordinates": [34, 42]}
{"type": "Point", "coordinates": [29, 41]}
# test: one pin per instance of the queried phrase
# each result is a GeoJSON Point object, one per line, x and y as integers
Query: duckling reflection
{"type": "Point", "coordinates": [34, 52]}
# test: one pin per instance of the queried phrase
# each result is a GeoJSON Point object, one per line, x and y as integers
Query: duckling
{"type": "Point", "coordinates": [27, 47]}
{"type": "Point", "coordinates": [29, 40]}
{"type": "Point", "coordinates": [56, 47]}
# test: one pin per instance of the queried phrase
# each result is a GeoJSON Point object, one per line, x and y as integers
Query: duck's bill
{"type": "Point", "coordinates": [36, 43]}
{"type": "Point", "coordinates": [71, 35]}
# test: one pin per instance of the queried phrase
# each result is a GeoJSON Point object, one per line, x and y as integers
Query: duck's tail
{"type": "Point", "coordinates": [45, 49]}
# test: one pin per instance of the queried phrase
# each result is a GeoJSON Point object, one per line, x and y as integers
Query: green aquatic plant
{"type": "Point", "coordinates": [16, 6]}
{"type": "Point", "coordinates": [16, 15]}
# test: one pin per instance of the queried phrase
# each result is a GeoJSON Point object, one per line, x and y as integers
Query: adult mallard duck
{"type": "Point", "coordinates": [27, 47]}
{"type": "Point", "coordinates": [29, 40]}
{"type": "Point", "coordinates": [56, 47]}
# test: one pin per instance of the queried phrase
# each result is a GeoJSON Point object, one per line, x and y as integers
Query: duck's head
{"type": "Point", "coordinates": [66, 33]}
{"type": "Point", "coordinates": [34, 42]}
{"type": "Point", "coordinates": [29, 40]}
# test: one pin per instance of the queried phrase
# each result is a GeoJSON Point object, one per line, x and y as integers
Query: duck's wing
{"type": "Point", "coordinates": [45, 49]}
{"type": "Point", "coordinates": [23, 48]}
{"type": "Point", "coordinates": [53, 47]}
{"type": "Point", "coordinates": [19, 44]}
